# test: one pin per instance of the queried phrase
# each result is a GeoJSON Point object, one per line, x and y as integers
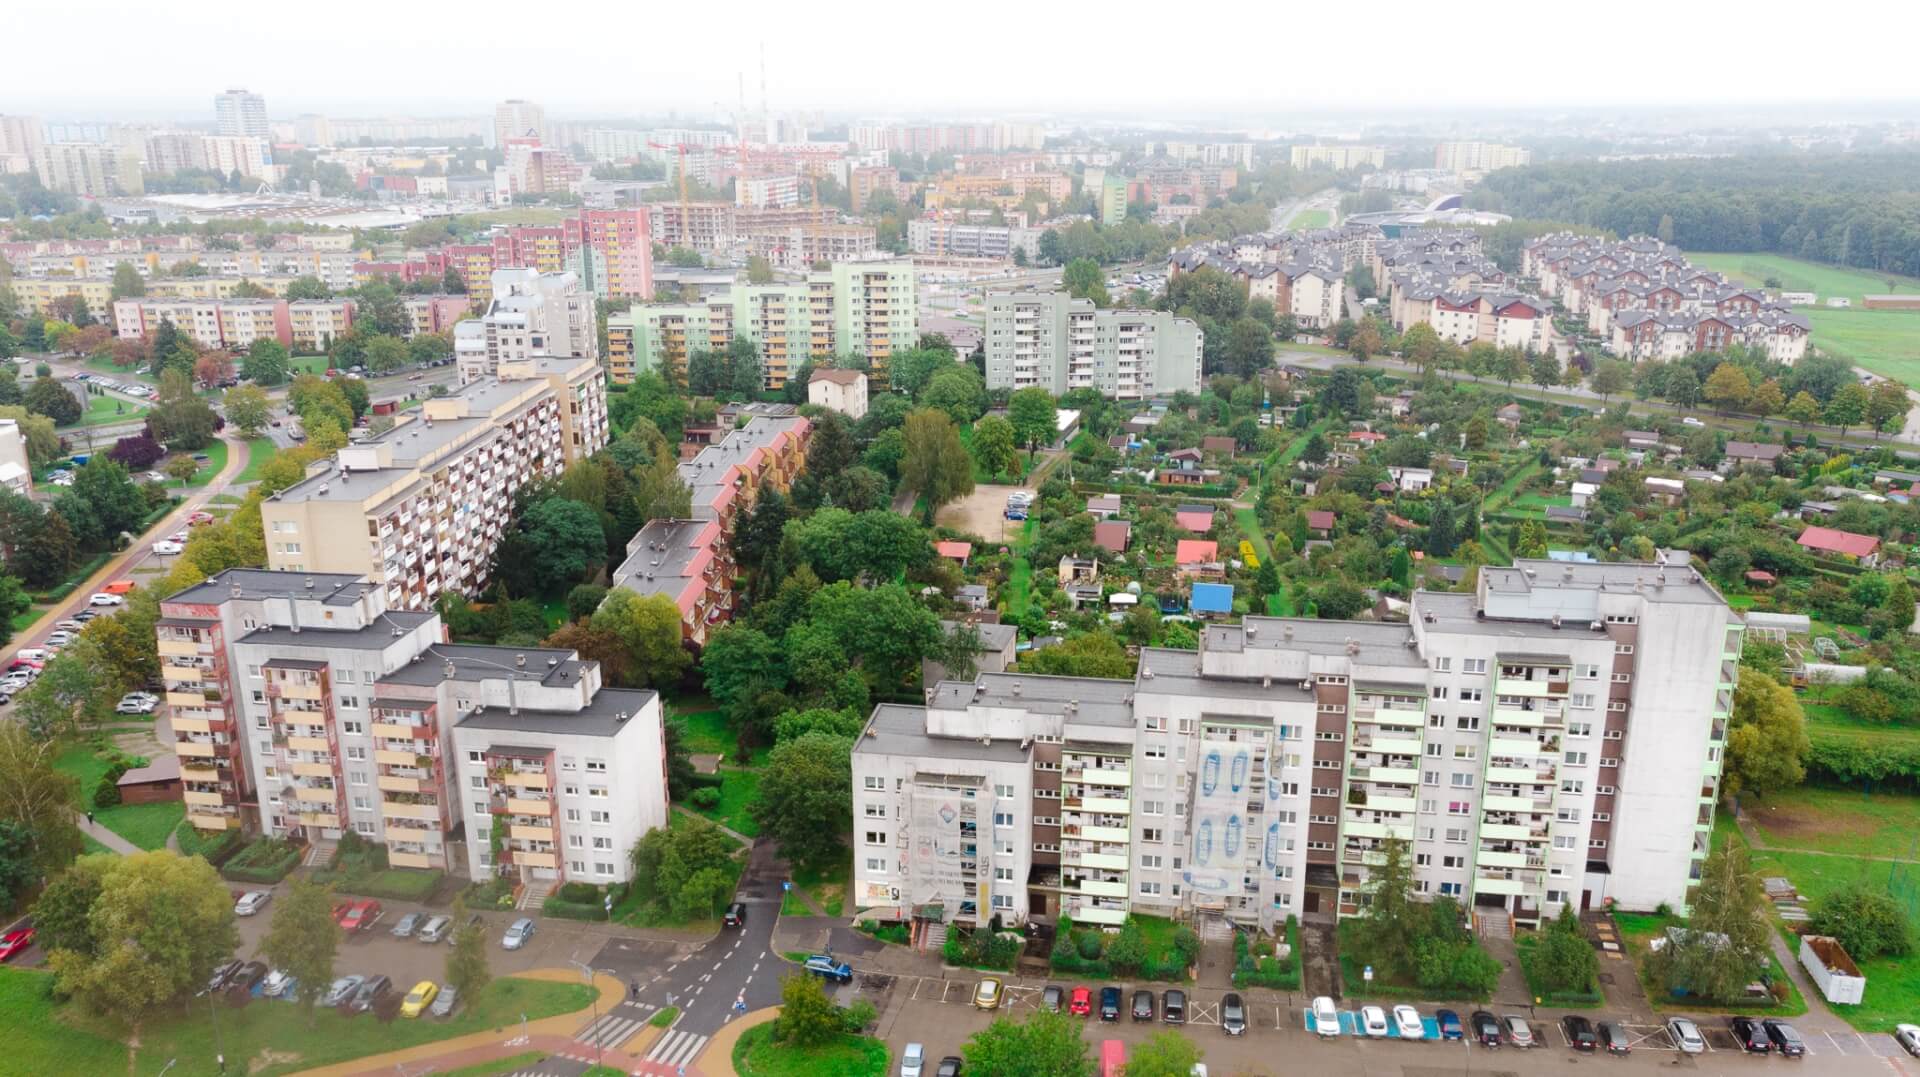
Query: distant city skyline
{"type": "Point", "coordinates": [1270, 64]}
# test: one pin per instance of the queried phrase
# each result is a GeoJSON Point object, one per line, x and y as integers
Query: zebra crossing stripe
{"type": "Point", "coordinates": [676, 1048]}
{"type": "Point", "coordinates": [610, 1031]}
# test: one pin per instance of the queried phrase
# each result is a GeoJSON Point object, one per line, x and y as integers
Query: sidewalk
{"type": "Point", "coordinates": [104, 836]}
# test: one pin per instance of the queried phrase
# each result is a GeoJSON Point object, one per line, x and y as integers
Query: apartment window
{"type": "Point", "coordinates": [1462, 781]}
{"type": "Point", "coordinates": [1003, 901]}
{"type": "Point", "coordinates": [1428, 807]}
{"type": "Point", "coordinates": [1467, 723]}
{"type": "Point", "coordinates": [1153, 834]}
{"type": "Point", "coordinates": [1439, 691]}
{"type": "Point", "coordinates": [1564, 841]}
{"type": "Point", "coordinates": [1597, 843]}
{"type": "Point", "coordinates": [1155, 752]}
{"type": "Point", "coordinates": [596, 766]}
{"type": "Point", "coordinates": [603, 867]}
{"type": "Point", "coordinates": [1451, 889]}
{"type": "Point", "coordinates": [1330, 735]}
{"type": "Point", "coordinates": [1430, 777]}
{"type": "Point", "coordinates": [362, 804]}
{"type": "Point", "coordinates": [597, 791]}
{"type": "Point", "coordinates": [1622, 619]}
{"type": "Point", "coordinates": [1154, 780]}
{"type": "Point", "coordinates": [1473, 665]}
{"type": "Point", "coordinates": [1186, 725]}
{"type": "Point", "coordinates": [1002, 848]}
{"type": "Point", "coordinates": [1573, 785]}
{"type": "Point", "coordinates": [1459, 807]}
{"type": "Point", "coordinates": [1289, 789]}
{"type": "Point", "coordinates": [1623, 648]}
{"type": "Point", "coordinates": [1436, 721]}
{"type": "Point", "coordinates": [876, 811]}
{"type": "Point", "coordinates": [356, 777]}
{"type": "Point", "coordinates": [876, 863]}
{"type": "Point", "coordinates": [1320, 846]}
{"type": "Point", "coordinates": [876, 837]}
{"type": "Point", "coordinates": [1609, 761]}
{"type": "Point", "coordinates": [569, 763]}
{"type": "Point", "coordinates": [578, 867]}
{"type": "Point", "coordinates": [1002, 820]}
{"type": "Point", "coordinates": [1615, 734]}
{"type": "Point", "coordinates": [1623, 678]}
{"type": "Point", "coordinates": [1436, 750]}
{"type": "Point", "coordinates": [1422, 886]}
{"type": "Point", "coordinates": [1426, 833]}
{"type": "Point", "coordinates": [1576, 759]}
{"type": "Point", "coordinates": [1472, 695]}
{"type": "Point", "coordinates": [1453, 861]}
{"type": "Point", "coordinates": [575, 841]}
{"type": "Point", "coordinates": [1004, 792]}
{"type": "Point", "coordinates": [1156, 723]}
{"type": "Point", "coordinates": [1153, 807]}
{"type": "Point", "coordinates": [1582, 700]}
{"type": "Point", "coordinates": [1423, 860]}
{"type": "Point", "coordinates": [356, 753]}
{"type": "Point", "coordinates": [1579, 729]}
{"type": "Point", "coordinates": [573, 815]}
{"type": "Point", "coordinates": [1603, 817]}
{"type": "Point", "coordinates": [363, 826]}
{"type": "Point", "coordinates": [600, 817]}
{"type": "Point", "coordinates": [476, 757]}
{"type": "Point", "coordinates": [1456, 835]}
{"type": "Point", "coordinates": [1586, 672]}
{"type": "Point", "coordinates": [875, 782]}
{"type": "Point", "coordinates": [1442, 665]}
{"type": "Point", "coordinates": [1466, 751]}
{"type": "Point", "coordinates": [1150, 862]}
{"type": "Point", "coordinates": [254, 672]}
{"type": "Point", "coordinates": [1603, 790]}
{"type": "Point", "coordinates": [1149, 889]}
{"type": "Point", "coordinates": [1619, 705]}
{"type": "Point", "coordinates": [353, 727]}
{"type": "Point", "coordinates": [479, 807]}
{"type": "Point", "coordinates": [1567, 815]}
{"type": "Point", "coordinates": [351, 703]}
{"type": "Point", "coordinates": [1326, 764]}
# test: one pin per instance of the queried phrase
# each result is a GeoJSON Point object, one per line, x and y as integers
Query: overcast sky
{"type": "Point", "coordinates": [112, 58]}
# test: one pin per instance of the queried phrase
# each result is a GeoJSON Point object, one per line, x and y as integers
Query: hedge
{"type": "Point", "coordinates": [982, 949]}
{"type": "Point", "coordinates": [215, 847]}
{"type": "Point", "coordinates": [265, 861]}
{"type": "Point", "coordinates": [1253, 970]}
{"type": "Point", "coordinates": [892, 931]}
{"type": "Point", "coordinates": [1845, 760]}
{"type": "Point", "coordinates": [573, 910]}
{"type": "Point", "coordinates": [1570, 1000]}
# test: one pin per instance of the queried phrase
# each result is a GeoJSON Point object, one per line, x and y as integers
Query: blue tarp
{"type": "Point", "coordinates": [1211, 598]}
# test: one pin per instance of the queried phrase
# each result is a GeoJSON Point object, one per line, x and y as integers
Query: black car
{"type": "Point", "coordinates": [249, 974]}
{"type": "Point", "coordinates": [1486, 1028]}
{"type": "Point", "coordinates": [1784, 1039]}
{"type": "Point", "coordinates": [1233, 1015]}
{"type": "Point", "coordinates": [1109, 1004]}
{"type": "Point", "coordinates": [223, 974]}
{"type": "Point", "coordinates": [1143, 1005]}
{"type": "Point", "coordinates": [369, 992]}
{"type": "Point", "coordinates": [1051, 998]}
{"type": "Point", "coordinates": [736, 915]}
{"type": "Point", "coordinates": [949, 1067]}
{"type": "Point", "coordinates": [1173, 1007]}
{"type": "Point", "coordinates": [1579, 1030]}
{"type": "Point", "coordinates": [1614, 1038]}
{"type": "Point", "coordinates": [1749, 1034]}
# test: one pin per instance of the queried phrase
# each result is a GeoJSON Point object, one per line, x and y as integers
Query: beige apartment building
{"type": "Point", "coordinates": [418, 509]}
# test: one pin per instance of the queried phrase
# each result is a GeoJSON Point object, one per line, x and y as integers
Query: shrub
{"type": "Point", "coordinates": [579, 893]}
{"type": "Point", "coordinates": [264, 861]}
{"type": "Point", "coordinates": [892, 931]}
{"type": "Point", "coordinates": [107, 793]}
{"type": "Point", "coordinates": [982, 949]}
{"type": "Point", "coordinates": [706, 798]}
{"type": "Point", "coordinates": [859, 1015]}
{"type": "Point", "coordinates": [1867, 921]}
{"type": "Point", "coordinates": [1255, 966]}
{"type": "Point", "coordinates": [1090, 945]}
{"type": "Point", "coordinates": [214, 846]}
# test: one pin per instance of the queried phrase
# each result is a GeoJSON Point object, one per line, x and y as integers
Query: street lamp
{"type": "Point", "coordinates": [213, 1015]}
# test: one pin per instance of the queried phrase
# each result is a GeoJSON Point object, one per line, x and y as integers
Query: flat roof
{"type": "Point", "coordinates": [1679, 581]}
{"type": "Point", "coordinates": [332, 588]}
{"type": "Point", "coordinates": [475, 662]}
{"type": "Point", "coordinates": [604, 716]}
{"type": "Point", "coordinates": [372, 637]}
{"type": "Point", "coordinates": [896, 729]}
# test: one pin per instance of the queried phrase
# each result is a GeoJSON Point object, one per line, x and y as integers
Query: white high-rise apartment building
{"type": "Point", "coordinates": [239, 113]}
{"type": "Point", "coordinates": [531, 314]}
{"type": "Point", "coordinates": [515, 118]}
{"type": "Point", "coordinates": [1056, 342]}
{"type": "Point", "coordinates": [1553, 739]}
{"type": "Point", "coordinates": [1479, 156]}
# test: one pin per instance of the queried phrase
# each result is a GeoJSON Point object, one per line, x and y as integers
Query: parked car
{"type": "Point", "coordinates": [435, 929]}
{"type": "Point", "coordinates": [1449, 1024]}
{"type": "Point", "coordinates": [1173, 1007]}
{"type": "Point", "coordinates": [167, 547]}
{"type": "Point", "coordinates": [1686, 1035]}
{"type": "Point", "coordinates": [444, 1005]}
{"type": "Point", "coordinates": [735, 916]}
{"type": "Point", "coordinates": [277, 984]}
{"type": "Point", "coordinates": [913, 1060]}
{"type": "Point", "coordinates": [1233, 1015]}
{"type": "Point", "coordinates": [369, 993]}
{"type": "Point", "coordinates": [404, 927]}
{"type": "Point", "coordinates": [1109, 1004]}
{"type": "Point", "coordinates": [360, 916]}
{"type": "Point", "coordinates": [1784, 1037]}
{"type": "Point", "coordinates": [1326, 1019]}
{"type": "Point", "coordinates": [137, 703]}
{"type": "Point", "coordinates": [986, 994]}
{"type": "Point", "coordinates": [1486, 1030]}
{"type": "Point", "coordinates": [1615, 1039]}
{"type": "Point", "coordinates": [419, 998]}
{"type": "Point", "coordinates": [252, 902]}
{"type": "Point", "coordinates": [60, 638]}
{"type": "Point", "coordinates": [1406, 1022]}
{"type": "Point", "coordinates": [1908, 1036]}
{"type": "Point", "coordinates": [342, 989]}
{"type": "Point", "coordinates": [223, 973]}
{"type": "Point", "coordinates": [1750, 1036]}
{"type": "Point", "coordinates": [1373, 1021]}
{"type": "Point", "coordinates": [517, 934]}
{"type": "Point", "coordinates": [827, 968]}
{"type": "Point", "coordinates": [101, 598]}
{"type": "Point", "coordinates": [949, 1067]}
{"type": "Point", "coordinates": [249, 974]}
{"type": "Point", "coordinates": [16, 941]}
{"type": "Point", "coordinates": [1082, 1003]}
{"type": "Point", "coordinates": [1051, 998]}
{"type": "Point", "coordinates": [1143, 1005]}
{"type": "Point", "coordinates": [1579, 1032]}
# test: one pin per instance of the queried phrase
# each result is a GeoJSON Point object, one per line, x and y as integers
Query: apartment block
{"type": "Point", "coordinates": [1055, 187]}
{"type": "Point", "coordinates": [1056, 342]}
{"type": "Point", "coordinates": [805, 245]}
{"type": "Point", "coordinates": [1552, 740]}
{"type": "Point", "coordinates": [93, 169]}
{"type": "Point", "coordinates": [419, 509]}
{"type": "Point", "coordinates": [314, 324]}
{"type": "Point", "coordinates": [518, 119]}
{"type": "Point", "coordinates": [1338, 158]}
{"type": "Point", "coordinates": [955, 239]}
{"type": "Point", "coordinates": [233, 324]}
{"type": "Point", "coordinates": [530, 314]}
{"type": "Point", "coordinates": [1458, 157]}
{"type": "Point", "coordinates": [767, 192]}
{"type": "Point", "coordinates": [612, 251]}
{"type": "Point", "coordinates": [1234, 154]}
{"type": "Point", "coordinates": [862, 307]}
{"type": "Point", "coordinates": [691, 561]}
{"type": "Point", "coordinates": [303, 707]}
{"type": "Point", "coordinates": [239, 114]}
{"type": "Point", "coordinates": [699, 226]}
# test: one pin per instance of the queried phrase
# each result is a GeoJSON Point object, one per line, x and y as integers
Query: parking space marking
{"type": "Point", "coordinates": [1199, 1014]}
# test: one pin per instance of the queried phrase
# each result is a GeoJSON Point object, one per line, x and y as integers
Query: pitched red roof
{"type": "Point", "coordinates": [959, 551]}
{"type": "Point", "coordinates": [1112, 535]}
{"type": "Point", "coordinates": [1320, 520]}
{"type": "Point", "coordinates": [1835, 541]}
{"type": "Point", "coordinates": [1194, 521]}
{"type": "Point", "coordinates": [1196, 551]}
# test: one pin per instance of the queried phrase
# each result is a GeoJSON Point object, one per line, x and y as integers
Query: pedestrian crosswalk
{"type": "Point", "coordinates": [616, 1026]}
{"type": "Point", "coordinates": [676, 1048]}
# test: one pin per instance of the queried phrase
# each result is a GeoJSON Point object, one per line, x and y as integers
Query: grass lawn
{"type": "Point", "coordinates": [739, 787]}
{"type": "Point", "coordinates": [1883, 341]}
{"type": "Point", "coordinates": [105, 365]}
{"type": "Point", "coordinates": [827, 887]}
{"type": "Point", "coordinates": [250, 1033]}
{"type": "Point", "coordinates": [1797, 275]}
{"type": "Point", "coordinates": [1020, 575]}
{"type": "Point", "coordinates": [1249, 522]}
{"type": "Point", "coordinates": [665, 1017]}
{"type": "Point", "coordinates": [1839, 821]}
{"type": "Point", "coordinates": [259, 451]}
{"type": "Point", "coordinates": [26, 617]}
{"type": "Point", "coordinates": [38, 1042]}
{"type": "Point", "coordinates": [1310, 218]}
{"type": "Point", "coordinates": [757, 1055]}
{"type": "Point", "coordinates": [707, 732]}
{"type": "Point", "coordinates": [216, 455]}
{"type": "Point", "coordinates": [145, 825]}
{"type": "Point", "coordinates": [308, 364]}
{"type": "Point", "coordinates": [496, 1067]}
{"type": "Point", "coordinates": [102, 410]}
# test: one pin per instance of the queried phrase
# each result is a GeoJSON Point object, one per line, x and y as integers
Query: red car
{"type": "Point", "coordinates": [1082, 1003]}
{"type": "Point", "coordinates": [360, 916]}
{"type": "Point", "coordinates": [15, 941]}
{"type": "Point", "coordinates": [199, 518]}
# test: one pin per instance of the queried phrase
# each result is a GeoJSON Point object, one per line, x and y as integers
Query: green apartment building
{"type": "Point", "coordinates": [1113, 200]}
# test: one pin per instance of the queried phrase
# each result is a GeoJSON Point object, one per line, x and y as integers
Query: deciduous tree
{"type": "Point", "coordinates": [1165, 1054]}
{"type": "Point", "coordinates": [467, 969]}
{"type": "Point", "coordinates": [248, 409]}
{"type": "Point", "coordinates": [1766, 738]}
{"type": "Point", "coordinates": [303, 939]}
{"type": "Point", "coordinates": [993, 445]}
{"type": "Point", "coordinates": [648, 628]}
{"type": "Point", "coordinates": [935, 465]}
{"type": "Point", "coordinates": [266, 362]}
{"type": "Point", "coordinates": [50, 398]}
{"type": "Point", "coordinates": [1044, 1045]}
{"type": "Point", "coordinates": [1034, 417]}
{"type": "Point", "coordinates": [1848, 406]}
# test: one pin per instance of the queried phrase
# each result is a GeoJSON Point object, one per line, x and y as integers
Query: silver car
{"type": "Point", "coordinates": [1686, 1035]}
{"type": "Point", "coordinates": [444, 1002]}
{"type": "Point", "coordinates": [342, 990]}
{"type": "Point", "coordinates": [435, 929]}
{"type": "Point", "coordinates": [517, 934]}
{"type": "Point", "coordinates": [404, 927]}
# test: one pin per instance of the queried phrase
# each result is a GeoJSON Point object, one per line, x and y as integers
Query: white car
{"type": "Point", "coordinates": [61, 478]}
{"type": "Point", "coordinates": [1373, 1020]}
{"type": "Point", "coordinates": [913, 1060]}
{"type": "Point", "coordinates": [276, 984]}
{"type": "Point", "coordinates": [153, 476]}
{"type": "Point", "coordinates": [1326, 1019]}
{"type": "Point", "coordinates": [167, 547]}
{"type": "Point", "coordinates": [251, 902]}
{"type": "Point", "coordinates": [101, 598]}
{"type": "Point", "coordinates": [1686, 1036]}
{"type": "Point", "coordinates": [1907, 1036]}
{"type": "Point", "coordinates": [1406, 1021]}
{"type": "Point", "coordinates": [179, 536]}
{"type": "Point", "coordinates": [60, 638]}
{"type": "Point", "coordinates": [1691, 421]}
{"type": "Point", "coordinates": [31, 654]}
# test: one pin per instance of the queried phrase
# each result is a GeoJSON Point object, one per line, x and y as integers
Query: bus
{"type": "Point", "coordinates": [1113, 1058]}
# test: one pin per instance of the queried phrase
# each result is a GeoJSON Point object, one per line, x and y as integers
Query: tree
{"type": "Point", "coordinates": [385, 353]}
{"type": "Point", "coordinates": [759, 270]}
{"type": "Point", "coordinates": [1392, 923]}
{"type": "Point", "coordinates": [805, 797]}
{"type": "Point", "coordinates": [1044, 1045]}
{"type": "Point", "coordinates": [648, 628]}
{"type": "Point", "coordinates": [426, 347]}
{"type": "Point", "coordinates": [1887, 407]}
{"type": "Point", "coordinates": [1532, 540]}
{"type": "Point", "coordinates": [304, 939]}
{"type": "Point", "coordinates": [1563, 959]}
{"type": "Point", "coordinates": [1683, 386]}
{"type": "Point", "coordinates": [62, 915]}
{"type": "Point", "coordinates": [1728, 387]}
{"type": "Point", "coordinates": [1728, 902]}
{"type": "Point", "coordinates": [1865, 918]}
{"type": "Point", "coordinates": [936, 465]}
{"type": "Point", "coordinates": [993, 445]}
{"type": "Point", "coordinates": [1803, 408]}
{"type": "Point", "coordinates": [1421, 346]}
{"type": "Point", "coordinates": [1766, 399]}
{"type": "Point", "coordinates": [957, 390]}
{"type": "Point", "coordinates": [911, 370]}
{"type": "Point", "coordinates": [1165, 1054]}
{"type": "Point", "coordinates": [53, 400]}
{"type": "Point", "coordinates": [1094, 654]}
{"type": "Point", "coordinates": [1366, 341]}
{"type": "Point", "coordinates": [248, 409]}
{"type": "Point", "coordinates": [736, 659]}
{"type": "Point", "coordinates": [467, 970]}
{"type": "Point", "coordinates": [1848, 406]}
{"type": "Point", "coordinates": [808, 1018]}
{"type": "Point", "coordinates": [182, 468]}
{"type": "Point", "coordinates": [557, 542]}
{"type": "Point", "coordinates": [266, 363]}
{"type": "Point", "coordinates": [1034, 417]}
{"type": "Point", "coordinates": [1544, 369]}
{"type": "Point", "coordinates": [667, 862]}
{"type": "Point", "coordinates": [301, 288]}
{"type": "Point", "coordinates": [380, 308]}
{"type": "Point", "coordinates": [1338, 600]}
{"type": "Point", "coordinates": [1249, 348]}
{"type": "Point", "coordinates": [101, 504]}
{"type": "Point", "coordinates": [885, 631]}
{"type": "Point", "coordinates": [1766, 738]}
{"type": "Point", "coordinates": [37, 798]}
{"type": "Point", "coordinates": [137, 452]}
{"type": "Point", "coordinates": [161, 923]}
{"type": "Point", "coordinates": [184, 421]}
{"type": "Point", "coordinates": [212, 368]}
{"type": "Point", "coordinates": [1083, 279]}
{"type": "Point", "coordinates": [127, 282]}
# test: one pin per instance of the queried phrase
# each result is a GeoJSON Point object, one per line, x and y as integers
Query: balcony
{"type": "Point", "coordinates": [188, 674]}
{"type": "Point", "coordinates": [1116, 888]}
{"type": "Point", "coordinates": [195, 749]}
{"type": "Point", "coordinates": [1098, 914]}
{"type": "Point", "coordinates": [1513, 832]}
{"type": "Point", "coordinates": [1103, 805]}
{"type": "Point", "coordinates": [1108, 834]}
{"type": "Point", "coordinates": [191, 773]}
{"type": "Point", "coordinates": [184, 647]}
{"type": "Point", "coordinates": [1386, 745]}
{"type": "Point", "coordinates": [1483, 885]}
{"type": "Point", "coordinates": [520, 832]}
{"type": "Point", "coordinates": [389, 783]}
{"type": "Point", "coordinates": [1391, 775]}
{"type": "Point", "coordinates": [310, 794]}
{"type": "Point", "coordinates": [1520, 775]}
{"type": "Point", "coordinates": [309, 744]}
{"type": "Point", "coordinates": [1100, 776]}
{"type": "Point", "coordinates": [398, 810]}
{"type": "Point", "coordinates": [197, 798]}
{"type": "Point", "coordinates": [1508, 803]}
{"type": "Point", "coordinates": [319, 818]}
{"type": "Point", "coordinates": [1101, 861]}
{"type": "Point", "coordinates": [313, 770]}
{"type": "Point", "coordinates": [294, 690]}
{"type": "Point", "coordinates": [197, 700]}
{"type": "Point", "coordinates": [183, 724]}
{"type": "Point", "coordinates": [536, 860]}
{"type": "Point", "coordinates": [398, 731]}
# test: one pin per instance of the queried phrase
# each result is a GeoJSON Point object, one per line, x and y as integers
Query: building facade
{"type": "Point", "coordinates": [239, 114]}
{"type": "Point", "coordinates": [1338, 158]}
{"type": "Point", "coordinates": [92, 169]}
{"type": "Point", "coordinates": [1056, 342]}
{"type": "Point", "coordinates": [1458, 157]}
{"type": "Point", "coordinates": [1552, 740]}
{"type": "Point", "coordinates": [530, 314]}
{"type": "Point", "coordinates": [304, 708]}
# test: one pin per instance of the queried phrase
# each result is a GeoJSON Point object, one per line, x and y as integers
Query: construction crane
{"type": "Point", "coordinates": [686, 215]}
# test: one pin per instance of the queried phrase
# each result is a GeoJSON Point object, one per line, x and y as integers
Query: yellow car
{"type": "Point", "coordinates": [419, 998]}
{"type": "Point", "coordinates": [987, 995]}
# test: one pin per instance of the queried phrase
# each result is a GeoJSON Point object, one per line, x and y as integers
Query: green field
{"type": "Point", "coordinates": [1886, 342]}
{"type": "Point", "coordinates": [109, 409]}
{"type": "Point", "coordinates": [1311, 218]}
{"type": "Point", "coordinates": [145, 825]}
{"type": "Point", "coordinates": [38, 1042]}
{"type": "Point", "coordinates": [1842, 821]}
{"type": "Point", "coordinates": [259, 451]}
